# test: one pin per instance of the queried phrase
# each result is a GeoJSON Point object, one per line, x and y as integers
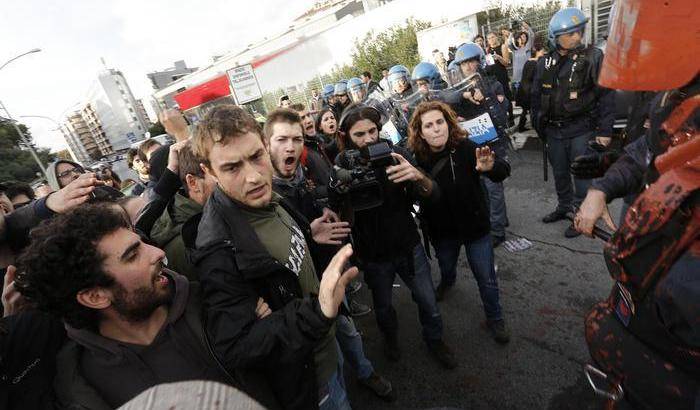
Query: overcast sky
{"type": "Point", "coordinates": [135, 36]}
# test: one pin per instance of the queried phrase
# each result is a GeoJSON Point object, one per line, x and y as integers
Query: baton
{"type": "Point", "coordinates": [597, 232]}
{"type": "Point", "coordinates": [545, 167]}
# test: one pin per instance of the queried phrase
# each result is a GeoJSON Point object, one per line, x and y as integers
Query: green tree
{"type": "Point", "coordinates": [16, 162]}
{"type": "Point", "coordinates": [379, 51]}
{"type": "Point", "coordinates": [156, 129]}
{"type": "Point", "coordinates": [396, 45]}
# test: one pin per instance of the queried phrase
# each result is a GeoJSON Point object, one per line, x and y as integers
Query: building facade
{"type": "Point", "coordinates": [115, 109]}
{"type": "Point", "coordinates": [161, 79]}
{"type": "Point", "coordinates": [84, 135]}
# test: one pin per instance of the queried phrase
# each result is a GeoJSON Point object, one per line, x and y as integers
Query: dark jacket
{"type": "Point", "coordinates": [101, 373]}
{"type": "Point", "coordinates": [29, 342]}
{"type": "Point", "coordinates": [590, 108]}
{"type": "Point", "coordinates": [273, 357]}
{"type": "Point", "coordinates": [460, 211]}
{"type": "Point", "coordinates": [389, 229]}
{"type": "Point", "coordinates": [161, 195]}
{"type": "Point", "coordinates": [525, 90]}
{"type": "Point", "coordinates": [167, 234]}
{"type": "Point", "coordinates": [22, 220]}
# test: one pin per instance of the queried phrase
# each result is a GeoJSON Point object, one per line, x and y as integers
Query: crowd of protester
{"type": "Point", "coordinates": [233, 256]}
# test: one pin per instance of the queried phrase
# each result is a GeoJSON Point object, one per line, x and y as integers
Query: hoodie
{"type": "Point", "coordinates": [51, 176]}
{"type": "Point", "coordinates": [98, 372]}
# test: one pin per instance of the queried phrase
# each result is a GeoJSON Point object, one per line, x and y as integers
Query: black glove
{"type": "Point", "coordinates": [595, 163]}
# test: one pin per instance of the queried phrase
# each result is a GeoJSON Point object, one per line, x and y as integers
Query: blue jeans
{"type": "Point", "coordinates": [562, 151]}
{"type": "Point", "coordinates": [333, 396]}
{"type": "Point", "coordinates": [496, 198]}
{"type": "Point", "coordinates": [350, 343]}
{"type": "Point", "coordinates": [480, 258]}
{"type": "Point", "coordinates": [498, 214]}
{"type": "Point", "coordinates": [414, 270]}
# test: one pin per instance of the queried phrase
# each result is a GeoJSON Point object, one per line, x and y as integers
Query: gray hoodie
{"type": "Point", "coordinates": [98, 372]}
{"type": "Point", "coordinates": [51, 176]}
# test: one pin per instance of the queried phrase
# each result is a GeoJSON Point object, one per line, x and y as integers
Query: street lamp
{"type": "Point", "coordinates": [59, 127]}
{"type": "Point", "coordinates": [34, 50]}
{"type": "Point", "coordinates": [14, 124]}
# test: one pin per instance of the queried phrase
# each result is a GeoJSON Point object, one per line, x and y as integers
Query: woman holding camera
{"type": "Point", "coordinates": [460, 215]}
{"type": "Point", "coordinates": [386, 239]}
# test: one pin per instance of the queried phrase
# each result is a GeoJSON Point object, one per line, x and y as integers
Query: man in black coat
{"type": "Point", "coordinates": [251, 244]}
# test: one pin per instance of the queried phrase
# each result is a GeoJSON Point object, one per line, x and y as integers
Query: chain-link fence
{"type": "Point", "coordinates": [537, 20]}
{"type": "Point", "coordinates": [300, 93]}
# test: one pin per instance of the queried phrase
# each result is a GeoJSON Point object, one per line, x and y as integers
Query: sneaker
{"type": "Point", "coordinates": [353, 287]}
{"type": "Point", "coordinates": [358, 309]}
{"type": "Point", "coordinates": [497, 240]}
{"type": "Point", "coordinates": [392, 351]}
{"type": "Point", "coordinates": [443, 354]}
{"type": "Point", "coordinates": [499, 331]}
{"type": "Point", "coordinates": [379, 386]}
{"type": "Point", "coordinates": [441, 291]}
{"type": "Point", "coordinates": [554, 217]}
{"type": "Point", "coordinates": [571, 232]}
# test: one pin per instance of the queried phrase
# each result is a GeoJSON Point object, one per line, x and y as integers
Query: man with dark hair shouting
{"type": "Point", "coordinates": [131, 323]}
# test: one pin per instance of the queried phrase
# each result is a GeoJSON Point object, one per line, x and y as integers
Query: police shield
{"type": "Point", "coordinates": [482, 128]}
{"type": "Point", "coordinates": [385, 107]}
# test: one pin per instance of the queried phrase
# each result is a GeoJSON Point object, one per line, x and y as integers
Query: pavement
{"type": "Point", "coordinates": [545, 293]}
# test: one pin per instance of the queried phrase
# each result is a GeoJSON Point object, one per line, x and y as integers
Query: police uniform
{"type": "Point", "coordinates": [569, 109]}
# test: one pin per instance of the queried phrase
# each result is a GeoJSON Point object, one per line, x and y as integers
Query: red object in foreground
{"type": "Point", "coordinates": [202, 93]}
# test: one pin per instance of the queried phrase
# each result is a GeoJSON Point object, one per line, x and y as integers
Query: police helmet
{"type": "Point", "coordinates": [427, 72]}
{"type": "Point", "coordinates": [341, 87]}
{"type": "Point", "coordinates": [468, 51]}
{"type": "Point", "coordinates": [355, 84]}
{"type": "Point", "coordinates": [398, 72]}
{"type": "Point", "coordinates": [328, 90]}
{"type": "Point", "coordinates": [565, 21]}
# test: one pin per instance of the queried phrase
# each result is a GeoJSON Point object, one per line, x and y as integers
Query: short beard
{"type": "Point", "coordinates": [140, 304]}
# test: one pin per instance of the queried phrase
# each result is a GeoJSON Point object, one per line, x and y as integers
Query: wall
{"type": "Point", "coordinates": [300, 59]}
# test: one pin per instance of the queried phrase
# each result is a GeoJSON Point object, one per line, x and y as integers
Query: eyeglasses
{"type": "Point", "coordinates": [67, 172]}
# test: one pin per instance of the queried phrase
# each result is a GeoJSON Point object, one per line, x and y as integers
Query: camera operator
{"type": "Point", "coordinates": [460, 216]}
{"type": "Point", "coordinates": [386, 237]}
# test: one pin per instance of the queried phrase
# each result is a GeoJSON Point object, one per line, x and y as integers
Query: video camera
{"type": "Point", "coordinates": [357, 183]}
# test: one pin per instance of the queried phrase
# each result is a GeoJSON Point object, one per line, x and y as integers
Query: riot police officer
{"type": "Point", "coordinates": [357, 89]}
{"type": "Point", "coordinates": [426, 77]}
{"type": "Point", "coordinates": [327, 96]}
{"type": "Point", "coordinates": [340, 94]}
{"type": "Point", "coordinates": [569, 108]}
{"type": "Point", "coordinates": [401, 89]}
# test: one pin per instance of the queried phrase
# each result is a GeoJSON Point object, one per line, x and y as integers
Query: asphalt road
{"type": "Point", "coordinates": [545, 293]}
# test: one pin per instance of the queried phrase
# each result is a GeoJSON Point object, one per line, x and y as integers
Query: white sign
{"type": "Point", "coordinates": [480, 129]}
{"type": "Point", "coordinates": [244, 85]}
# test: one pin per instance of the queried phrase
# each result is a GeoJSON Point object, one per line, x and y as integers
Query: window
{"type": "Point", "coordinates": [134, 118]}
{"type": "Point", "coordinates": [131, 109]}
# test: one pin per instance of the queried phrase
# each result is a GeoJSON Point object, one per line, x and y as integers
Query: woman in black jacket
{"type": "Point", "coordinates": [460, 216]}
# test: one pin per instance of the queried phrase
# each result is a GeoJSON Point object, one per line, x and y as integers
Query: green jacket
{"type": "Point", "coordinates": [167, 234]}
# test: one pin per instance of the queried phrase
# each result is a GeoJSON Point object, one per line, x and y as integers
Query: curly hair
{"type": "Point", "coordinates": [63, 260]}
{"type": "Point", "coordinates": [415, 140]}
